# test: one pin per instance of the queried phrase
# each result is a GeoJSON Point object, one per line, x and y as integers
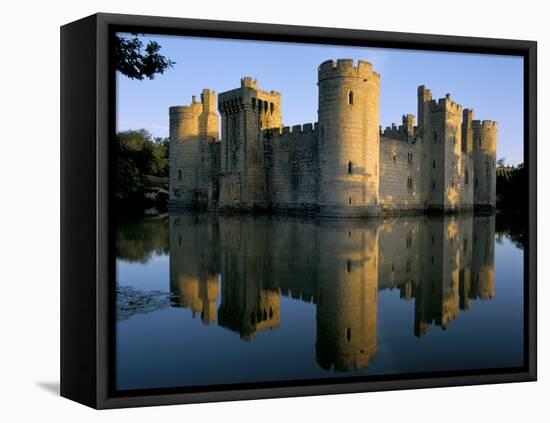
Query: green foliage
{"type": "Point", "coordinates": [135, 62]}
{"type": "Point", "coordinates": [141, 169]}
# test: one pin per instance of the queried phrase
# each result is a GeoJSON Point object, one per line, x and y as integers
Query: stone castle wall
{"type": "Point", "coordinates": [293, 168]}
{"type": "Point", "coordinates": [343, 165]}
{"type": "Point", "coordinates": [400, 176]}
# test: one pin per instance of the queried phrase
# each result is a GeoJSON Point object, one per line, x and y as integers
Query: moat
{"type": "Point", "coordinates": [208, 299]}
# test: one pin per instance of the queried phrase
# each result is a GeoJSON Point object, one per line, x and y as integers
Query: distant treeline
{"type": "Point", "coordinates": [512, 203]}
{"type": "Point", "coordinates": [512, 188]}
{"type": "Point", "coordinates": [141, 172]}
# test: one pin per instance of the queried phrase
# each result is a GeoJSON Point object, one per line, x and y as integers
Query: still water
{"type": "Point", "coordinates": [206, 299]}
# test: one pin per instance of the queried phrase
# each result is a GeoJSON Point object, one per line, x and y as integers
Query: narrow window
{"type": "Point", "coordinates": [350, 97]}
{"type": "Point", "coordinates": [433, 164]}
{"type": "Point", "coordinates": [179, 175]}
{"type": "Point", "coordinates": [479, 141]}
{"type": "Point", "coordinates": [435, 137]}
{"type": "Point", "coordinates": [348, 266]}
{"type": "Point", "coordinates": [348, 334]}
{"type": "Point", "coordinates": [349, 200]}
{"type": "Point", "coordinates": [272, 106]}
{"type": "Point", "coordinates": [466, 177]}
{"type": "Point", "coordinates": [394, 158]}
{"type": "Point", "coordinates": [433, 185]}
{"type": "Point", "coordinates": [350, 168]}
{"type": "Point", "coordinates": [477, 182]}
{"type": "Point", "coordinates": [410, 158]}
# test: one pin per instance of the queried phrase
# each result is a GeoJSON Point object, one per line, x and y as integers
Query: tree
{"type": "Point", "coordinates": [135, 62]}
{"type": "Point", "coordinates": [141, 168]}
{"type": "Point", "coordinates": [501, 162]}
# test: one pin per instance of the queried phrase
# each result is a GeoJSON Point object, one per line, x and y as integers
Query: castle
{"type": "Point", "coordinates": [342, 165]}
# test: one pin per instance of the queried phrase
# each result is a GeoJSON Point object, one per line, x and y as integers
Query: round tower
{"type": "Point", "coordinates": [184, 154]}
{"type": "Point", "coordinates": [484, 135]}
{"type": "Point", "coordinates": [349, 137]}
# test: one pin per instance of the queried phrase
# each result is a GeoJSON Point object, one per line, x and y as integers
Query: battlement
{"type": "Point", "coordinates": [484, 124]}
{"type": "Point", "coordinates": [208, 101]}
{"type": "Point", "coordinates": [347, 68]}
{"type": "Point", "coordinates": [444, 105]}
{"type": "Point", "coordinates": [282, 132]}
{"type": "Point", "coordinates": [249, 82]}
{"type": "Point", "coordinates": [401, 132]}
{"type": "Point", "coordinates": [424, 92]}
{"type": "Point", "coordinates": [195, 108]}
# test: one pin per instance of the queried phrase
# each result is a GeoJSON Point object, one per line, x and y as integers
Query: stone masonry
{"type": "Point", "coordinates": [343, 165]}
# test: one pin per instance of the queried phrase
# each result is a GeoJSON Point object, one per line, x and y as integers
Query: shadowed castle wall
{"type": "Point", "coordinates": [293, 167]}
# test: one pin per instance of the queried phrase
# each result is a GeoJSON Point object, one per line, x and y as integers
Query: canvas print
{"type": "Point", "coordinates": [294, 213]}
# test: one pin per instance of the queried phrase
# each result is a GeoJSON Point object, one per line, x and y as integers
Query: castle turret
{"type": "Point", "coordinates": [467, 131]}
{"type": "Point", "coordinates": [443, 145]}
{"type": "Point", "coordinates": [246, 113]}
{"type": "Point", "coordinates": [484, 154]}
{"type": "Point", "coordinates": [191, 127]}
{"type": "Point", "coordinates": [349, 137]}
{"type": "Point", "coordinates": [424, 97]}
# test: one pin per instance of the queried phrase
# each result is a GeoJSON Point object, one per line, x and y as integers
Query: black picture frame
{"type": "Point", "coordinates": [87, 262]}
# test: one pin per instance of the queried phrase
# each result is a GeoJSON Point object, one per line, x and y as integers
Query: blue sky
{"type": "Point", "coordinates": [492, 85]}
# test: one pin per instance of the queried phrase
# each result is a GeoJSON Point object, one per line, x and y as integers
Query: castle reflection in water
{"type": "Point", "coordinates": [440, 263]}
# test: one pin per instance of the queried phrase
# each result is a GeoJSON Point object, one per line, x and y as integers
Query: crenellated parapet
{"type": "Point", "coordinates": [406, 132]}
{"type": "Point", "coordinates": [444, 105]}
{"type": "Point", "coordinates": [346, 68]}
{"type": "Point", "coordinates": [297, 132]}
